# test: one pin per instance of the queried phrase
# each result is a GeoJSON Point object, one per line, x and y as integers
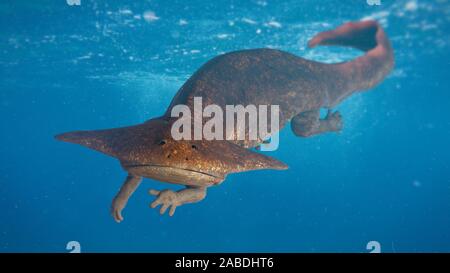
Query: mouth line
{"type": "Point", "coordinates": [163, 166]}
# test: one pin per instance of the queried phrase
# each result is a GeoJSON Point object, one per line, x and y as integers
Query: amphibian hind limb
{"type": "Point", "coordinates": [309, 123]}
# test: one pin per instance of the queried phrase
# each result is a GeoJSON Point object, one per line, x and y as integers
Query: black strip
{"type": "Point", "coordinates": [225, 262]}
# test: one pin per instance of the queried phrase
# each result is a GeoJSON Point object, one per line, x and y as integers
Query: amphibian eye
{"type": "Point", "coordinates": [162, 142]}
{"type": "Point", "coordinates": [194, 147]}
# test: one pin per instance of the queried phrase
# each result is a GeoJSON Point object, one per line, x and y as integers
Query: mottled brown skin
{"type": "Point", "coordinates": [260, 77]}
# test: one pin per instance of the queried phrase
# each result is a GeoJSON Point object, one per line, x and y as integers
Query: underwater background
{"type": "Point", "coordinates": [105, 64]}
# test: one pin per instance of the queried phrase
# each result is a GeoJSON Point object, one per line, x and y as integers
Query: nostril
{"type": "Point", "coordinates": [194, 147]}
{"type": "Point", "coordinates": [162, 142]}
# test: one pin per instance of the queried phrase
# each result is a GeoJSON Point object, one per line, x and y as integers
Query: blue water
{"type": "Point", "coordinates": [385, 178]}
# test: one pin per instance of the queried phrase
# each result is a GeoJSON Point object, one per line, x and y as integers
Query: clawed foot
{"type": "Point", "coordinates": [333, 121]}
{"type": "Point", "coordinates": [167, 198]}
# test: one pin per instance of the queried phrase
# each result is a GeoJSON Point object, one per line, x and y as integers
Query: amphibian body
{"type": "Point", "coordinates": [259, 77]}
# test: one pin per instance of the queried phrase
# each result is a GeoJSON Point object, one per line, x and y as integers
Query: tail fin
{"type": "Point", "coordinates": [368, 70]}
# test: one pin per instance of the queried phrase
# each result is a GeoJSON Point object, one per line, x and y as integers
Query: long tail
{"type": "Point", "coordinates": [368, 70]}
